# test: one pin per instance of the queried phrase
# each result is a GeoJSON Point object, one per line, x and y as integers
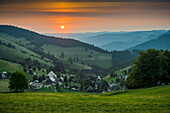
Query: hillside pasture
{"type": "Point", "coordinates": [97, 58]}
{"type": "Point", "coordinates": [155, 100]}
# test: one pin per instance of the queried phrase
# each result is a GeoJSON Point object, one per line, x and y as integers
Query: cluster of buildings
{"type": "Point", "coordinates": [52, 79]}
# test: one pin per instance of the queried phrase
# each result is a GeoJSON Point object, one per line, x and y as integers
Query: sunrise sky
{"type": "Point", "coordinates": [46, 16]}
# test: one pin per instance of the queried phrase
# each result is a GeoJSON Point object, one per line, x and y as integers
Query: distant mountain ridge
{"type": "Point", "coordinates": [162, 42]}
{"type": "Point", "coordinates": [78, 36]}
{"type": "Point", "coordinates": [114, 40]}
{"type": "Point", "coordinates": [124, 40]}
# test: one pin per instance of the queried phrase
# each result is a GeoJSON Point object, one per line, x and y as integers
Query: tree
{"type": "Point", "coordinates": [40, 79]}
{"type": "Point", "coordinates": [58, 87]}
{"type": "Point", "coordinates": [29, 67]}
{"type": "Point", "coordinates": [89, 56]}
{"type": "Point", "coordinates": [70, 60]}
{"type": "Point", "coordinates": [39, 68]}
{"type": "Point", "coordinates": [43, 77]}
{"type": "Point", "coordinates": [149, 69]}
{"type": "Point", "coordinates": [18, 82]}
{"type": "Point", "coordinates": [65, 79]}
{"type": "Point", "coordinates": [125, 71]}
{"type": "Point", "coordinates": [8, 74]}
{"type": "Point", "coordinates": [166, 67]}
{"type": "Point", "coordinates": [117, 80]}
{"type": "Point", "coordinates": [34, 69]}
{"type": "Point", "coordinates": [35, 77]}
{"type": "Point", "coordinates": [112, 74]}
{"type": "Point", "coordinates": [62, 55]}
{"type": "Point", "coordinates": [0, 76]}
{"type": "Point", "coordinates": [30, 71]}
{"type": "Point", "coordinates": [24, 70]}
{"type": "Point", "coordinates": [105, 85]}
{"type": "Point", "coordinates": [121, 83]}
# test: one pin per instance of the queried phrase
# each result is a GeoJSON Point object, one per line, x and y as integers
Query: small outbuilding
{"type": "Point", "coordinates": [113, 87]}
{"type": "Point", "coordinates": [89, 89]}
{"type": "Point", "coordinates": [4, 74]}
{"type": "Point", "coordinates": [74, 87]}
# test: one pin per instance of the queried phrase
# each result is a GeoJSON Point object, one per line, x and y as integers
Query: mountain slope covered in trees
{"type": "Point", "coordinates": [162, 42]}
{"type": "Point", "coordinates": [29, 48]}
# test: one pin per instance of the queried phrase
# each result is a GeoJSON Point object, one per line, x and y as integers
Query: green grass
{"type": "Point", "coordinates": [16, 54]}
{"type": "Point", "coordinates": [13, 67]}
{"type": "Point", "coordinates": [150, 100]}
{"type": "Point", "coordinates": [101, 59]}
{"type": "Point", "coordinates": [9, 66]}
{"type": "Point", "coordinates": [4, 85]}
{"type": "Point", "coordinates": [119, 72]}
{"type": "Point", "coordinates": [43, 89]}
{"type": "Point", "coordinates": [98, 58]}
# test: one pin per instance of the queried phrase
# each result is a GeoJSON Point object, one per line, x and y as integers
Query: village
{"type": "Point", "coordinates": [55, 83]}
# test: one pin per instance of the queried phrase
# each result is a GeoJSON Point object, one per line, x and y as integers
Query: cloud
{"type": "Point", "coordinates": [43, 15]}
{"type": "Point", "coordinates": [40, 1]}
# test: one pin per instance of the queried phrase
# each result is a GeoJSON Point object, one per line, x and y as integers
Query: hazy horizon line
{"type": "Point", "coordinates": [116, 31]}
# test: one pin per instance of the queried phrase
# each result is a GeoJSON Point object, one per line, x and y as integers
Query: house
{"type": "Point", "coordinates": [98, 78]}
{"type": "Point", "coordinates": [74, 87]}
{"type": "Point", "coordinates": [89, 89]}
{"type": "Point", "coordinates": [61, 79]}
{"type": "Point", "coordinates": [47, 81]}
{"type": "Point", "coordinates": [113, 87]}
{"type": "Point", "coordinates": [34, 73]}
{"type": "Point", "coordinates": [122, 77]}
{"type": "Point", "coordinates": [36, 81]}
{"type": "Point", "coordinates": [4, 74]}
{"type": "Point", "coordinates": [52, 76]}
{"type": "Point", "coordinates": [34, 85]}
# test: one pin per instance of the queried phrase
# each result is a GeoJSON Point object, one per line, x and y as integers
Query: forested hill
{"type": "Point", "coordinates": [32, 49]}
{"type": "Point", "coordinates": [162, 42]}
{"type": "Point", "coordinates": [39, 39]}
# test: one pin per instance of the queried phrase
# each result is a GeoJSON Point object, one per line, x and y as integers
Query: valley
{"type": "Point", "coordinates": [24, 50]}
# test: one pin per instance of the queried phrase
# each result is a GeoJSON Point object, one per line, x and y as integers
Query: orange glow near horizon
{"type": "Point", "coordinates": [49, 16]}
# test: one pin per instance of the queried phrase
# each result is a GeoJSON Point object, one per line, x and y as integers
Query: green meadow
{"type": "Point", "coordinates": [9, 66]}
{"type": "Point", "coordinates": [4, 83]}
{"type": "Point", "coordinates": [150, 100]}
{"type": "Point", "coordinates": [96, 58]}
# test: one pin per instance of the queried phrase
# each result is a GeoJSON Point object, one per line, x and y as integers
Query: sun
{"type": "Point", "coordinates": [62, 27]}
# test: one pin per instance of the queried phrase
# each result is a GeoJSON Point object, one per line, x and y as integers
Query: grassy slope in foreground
{"type": "Point", "coordinates": [155, 100]}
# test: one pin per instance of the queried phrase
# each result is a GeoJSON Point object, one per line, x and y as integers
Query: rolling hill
{"type": "Point", "coordinates": [162, 42]}
{"type": "Point", "coordinates": [123, 40]}
{"type": "Point", "coordinates": [17, 44]}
